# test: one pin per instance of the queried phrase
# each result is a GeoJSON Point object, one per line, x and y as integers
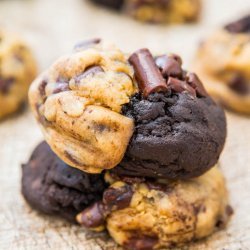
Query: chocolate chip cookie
{"type": "Point", "coordinates": [158, 11]}
{"type": "Point", "coordinates": [222, 62]}
{"type": "Point", "coordinates": [143, 214]}
{"type": "Point", "coordinates": [52, 187]}
{"type": "Point", "coordinates": [78, 104]}
{"type": "Point", "coordinates": [17, 70]}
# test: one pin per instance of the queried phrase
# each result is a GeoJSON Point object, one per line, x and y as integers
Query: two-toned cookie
{"type": "Point", "coordinates": [141, 116]}
{"type": "Point", "coordinates": [139, 213]}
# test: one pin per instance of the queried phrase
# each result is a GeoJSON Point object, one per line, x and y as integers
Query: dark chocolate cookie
{"type": "Point", "coordinates": [51, 186]}
{"type": "Point", "coordinates": [179, 130]}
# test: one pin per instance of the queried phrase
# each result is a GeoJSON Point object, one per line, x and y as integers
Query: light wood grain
{"type": "Point", "coordinates": [52, 27]}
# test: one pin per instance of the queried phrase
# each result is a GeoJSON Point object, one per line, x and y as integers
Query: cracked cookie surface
{"type": "Point", "coordinates": [179, 131]}
{"type": "Point", "coordinates": [52, 187]}
{"type": "Point", "coordinates": [17, 70]}
{"type": "Point", "coordinates": [78, 104]}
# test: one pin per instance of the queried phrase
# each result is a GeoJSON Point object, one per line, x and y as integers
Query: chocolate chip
{"type": "Point", "coordinates": [169, 66]}
{"type": "Point", "coordinates": [179, 86]}
{"type": "Point", "coordinates": [240, 26]}
{"type": "Point", "coordinates": [229, 210]}
{"type": "Point", "coordinates": [89, 71]}
{"type": "Point", "coordinates": [5, 84]}
{"type": "Point", "coordinates": [143, 242]}
{"type": "Point", "coordinates": [42, 87]}
{"type": "Point", "coordinates": [194, 81]}
{"type": "Point", "coordinates": [148, 76]}
{"type": "Point", "coordinates": [92, 216]}
{"type": "Point", "coordinates": [118, 198]}
{"type": "Point", "coordinates": [61, 87]}
{"type": "Point", "coordinates": [239, 84]}
{"type": "Point", "coordinates": [86, 44]}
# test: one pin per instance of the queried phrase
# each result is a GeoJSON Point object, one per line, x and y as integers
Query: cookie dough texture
{"type": "Point", "coordinates": [78, 103]}
{"type": "Point", "coordinates": [52, 187]}
{"type": "Point", "coordinates": [222, 62]}
{"type": "Point", "coordinates": [157, 11]}
{"type": "Point", "coordinates": [176, 136]}
{"type": "Point", "coordinates": [17, 70]}
{"type": "Point", "coordinates": [170, 214]}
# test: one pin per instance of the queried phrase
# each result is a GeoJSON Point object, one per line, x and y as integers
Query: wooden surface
{"type": "Point", "coordinates": [52, 27]}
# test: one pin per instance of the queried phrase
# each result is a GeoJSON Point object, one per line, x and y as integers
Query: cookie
{"type": "Point", "coordinates": [17, 70]}
{"type": "Point", "coordinates": [52, 187]}
{"type": "Point", "coordinates": [142, 214]}
{"type": "Point", "coordinates": [158, 11]}
{"type": "Point", "coordinates": [180, 132]}
{"type": "Point", "coordinates": [78, 102]}
{"type": "Point", "coordinates": [227, 79]}
{"type": "Point", "coordinates": [100, 108]}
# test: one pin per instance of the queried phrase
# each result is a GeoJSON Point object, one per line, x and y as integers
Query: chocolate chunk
{"type": "Point", "coordinates": [179, 86]}
{"type": "Point", "coordinates": [86, 44]}
{"type": "Point", "coordinates": [143, 242]}
{"type": "Point", "coordinates": [240, 26]}
{"type": "Point", "coordinates": [42, 87]}
{"type": "Point", "coordinates": [147, 74]}
{"type": "Point", "coordinates": [194, 81]}
{"type": "Point", "coordinates": [229, 210]}
{"type": "Point", "coordinates": [239, 85]}
{"type": "Point", "coordinates": [89, 71]}
{"type": "Point", "coordinates": [118, 198]}
{"type": "Point", "coordinates": [92, 216]}
{"type": "Point", "coordinates": [61, 87]}
{"type": "Point", "coordinates": [5, 84]}
{"type": "Point", "coordinates": [169, 66]}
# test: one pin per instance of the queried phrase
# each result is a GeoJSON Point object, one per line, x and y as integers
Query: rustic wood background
{"type": "Point", "coordinates": [52, 27]}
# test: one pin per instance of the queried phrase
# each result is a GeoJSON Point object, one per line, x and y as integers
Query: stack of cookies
{"type": "Point", "coordinates": [132, 145]}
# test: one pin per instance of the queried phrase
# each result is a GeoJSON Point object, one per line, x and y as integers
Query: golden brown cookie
{"type": "Point", "coordinates": [142, 214]}
{"type": "Point", "coordinates": [78, 103]}
{"type": "Point", "coordinates": [17, 70]}
{"type": "Point", "coordinates": [166, 11]}
{"type": "Point", "coordinates": [157, 11]}
{"type": "Point", "coordinates": [222, 62]}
